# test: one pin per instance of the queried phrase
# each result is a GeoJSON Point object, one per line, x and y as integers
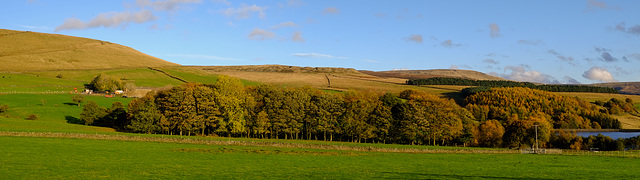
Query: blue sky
{"type": "Point", "coordinates": [568, 41]}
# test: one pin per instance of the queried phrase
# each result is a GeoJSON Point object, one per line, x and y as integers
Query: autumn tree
{"type": "Point", "coordinates": [490, 133]}
{"type": "Point", "coordinates": [230, 98]}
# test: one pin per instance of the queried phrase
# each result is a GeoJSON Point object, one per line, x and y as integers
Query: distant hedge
{"type": "Point", "coordinates": [492, 83]}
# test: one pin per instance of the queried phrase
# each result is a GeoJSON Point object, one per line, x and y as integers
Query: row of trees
{"type": "Point", "coordinates": [508, 104]}
{"type": "Point", "coordinates": [500, 117]}
{"type": "Point", "coordinates": [227, 108]}
{"type": "Point", "coordinates": [494, 83]}
{"type": "Point", "coordinates": [568, 140]}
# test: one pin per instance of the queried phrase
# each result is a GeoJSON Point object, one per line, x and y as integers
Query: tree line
{"type": "Point", "coordinates": [495, 83]}
{"type": "Point", "coordinates": [500, 117]}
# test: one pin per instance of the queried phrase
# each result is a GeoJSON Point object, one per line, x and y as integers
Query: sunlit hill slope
{"type": "Point", "coordinates": [30, 51]}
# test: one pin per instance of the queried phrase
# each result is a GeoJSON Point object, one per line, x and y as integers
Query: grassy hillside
{"type": "Point", "coordinates": [425, 74]}
{"type": "Point", "coordinates": [30, 51]}
{"type": "Point", "coordinates": [623, 87]}
{"type": "Point", "coordinates": [340, 79]}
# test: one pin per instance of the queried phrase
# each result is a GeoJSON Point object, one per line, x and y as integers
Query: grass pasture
{"type": "Point", "coordinates": [63, 158]}
{"type": "Point", "coordinates": [54, 116]}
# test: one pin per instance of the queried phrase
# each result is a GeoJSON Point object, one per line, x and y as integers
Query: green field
{"type": "Point", "coordinates": [54, 116]}
{"type": "Point", "coordinates": [61, 158]}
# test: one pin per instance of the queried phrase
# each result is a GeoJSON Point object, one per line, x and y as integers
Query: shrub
{"type": "Point", "coordinates": [4, 108]}
{"type": "Point", "coordinates": [32, 117]}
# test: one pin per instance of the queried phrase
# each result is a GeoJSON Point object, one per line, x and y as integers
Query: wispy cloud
{"type": "Point", "coordinates": [622, 27]}
{"type": "Point", "coordinates": [297, 37]}
{"type": "Point", "coordinates": [245, 11]}
{"type": "Point", "coordinates": [415, 38]}
{"type": "Point", "coordinates": [331, 10]}
{"type": "Point", "coordinates": [520, 73]}
{"type": "Point", "coordinates": [490, 61]}
{"type": "Point", "coordinates": [599, 74]}
{"type": "Point", "coordinates": [593, 6]}
{"type": "Point", "coordinates": [285, 24]}
{"type": "Point", "coordinates": [449, 43]}
{"type": "Point", "coordinates": [222, 2]}
{"type": "Point", "coordinates": [205, 57]}
{"type": "Point", "coordinates": [35, 28]}
{"type": "Point", "coordinates": [530, 42]}
{"type": "Point", "coordinates": [494, 30]}
{"type": "Point", "coordinates": [108, 20]}
{"type": "Point", "coordinates": [635, 56]}
{"type": "Point", "coordinates": [316, 55]}
{"type": "Point", "coordinates": [260, 34]}
{"type": "Point", "coordinates": [560, 56]}
{"type": "Point", "coordinates": [370, 61]}
{"type": "Point", "coordinates": [570, 80]}
{"type": "Point", "coordinates": [166, 5]}
{"type": "Point", "coordinates": [605, 55]}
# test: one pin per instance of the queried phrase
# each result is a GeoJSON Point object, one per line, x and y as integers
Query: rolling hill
{"type": "Point", "coordinates": [425, 74]}
{"type": "Point", "coordinates": [623, 87]}
{"type": "Point", "coordinates": [22, 51]}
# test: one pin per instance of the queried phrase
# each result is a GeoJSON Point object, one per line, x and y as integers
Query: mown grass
{"type": "Point", "coordinates": [62, 158]}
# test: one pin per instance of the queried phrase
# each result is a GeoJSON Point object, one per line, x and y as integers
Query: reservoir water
{"type": "Point", "coordinates": [613, 135]}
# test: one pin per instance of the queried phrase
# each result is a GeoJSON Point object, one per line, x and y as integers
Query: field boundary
{"type": "Point", "coordinates": [253, 143]}
{"type": "Point", "coordinates": [170, 75]}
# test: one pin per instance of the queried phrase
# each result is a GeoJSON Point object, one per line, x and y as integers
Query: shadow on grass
{"type": "Point", "coordinates": [73, 120]}
{"type": "Point", "coordinates": [71, 104]}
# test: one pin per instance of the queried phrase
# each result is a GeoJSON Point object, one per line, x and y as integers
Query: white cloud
{"type": "Point", "coordinates": [285, 24]}
{"type": "Point", "coordinates": [244, 11]}
{"type": "Point", "coordinates": [400, 69]}
{"type": "Point", "coordinates": [166, 5]}
{"type": "Point", "coordinates": [331, 10]}
{"type": "Point", "coordinates": [415, 38]}
{"type": "Point", "coordinates": [316, 55]}
{"type": "Point", "coordinates": [453, 67]}
{"type": "Point", "coordinates": [297, 37]}
{"type": "Point", "coordinates": [495, 30]}
{"type": "Point", "coordinates": [260, 34]}
{"type": "Point", "coordinates": [206, 57]}
{"type": "Point", "coordinates": [519, 73]}
{"type": "Point", "coordinates": [599, 74]}
{"type": "Point", "coordinates": [109, 20]}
